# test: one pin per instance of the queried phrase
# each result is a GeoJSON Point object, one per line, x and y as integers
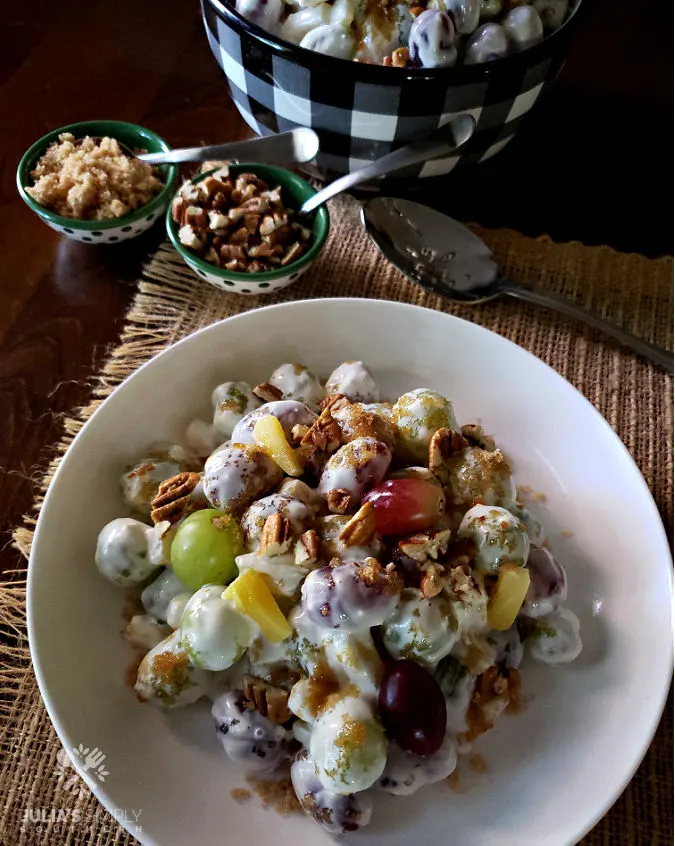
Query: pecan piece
{"type": "Point", "coordinates": [443, 445]}
{"type": "Point", "coordinates": [425, 545]}
{"type": "Point", "coordinates": [371, 572]}
{"type": "Point", "coordinates": [324, 434]}
{"type": "Point", "coordinates": [335, 402]}
{"type": "Point", "coordinates": [399, 58]}
{"type": "Point", "coordinates": [475, 435]}
{"type": "Point", "coordinates": [432, 582]}
{"type": "Point", "coordinates": [360, 530]}
{"type": "Point", "coordinates": [267, 392]}
{"type": "Point", "coordinates": [298, 432]}
{"type": "Point", "coordinates": [294, 252]}
{"type": "Point", "coordinates": [276, 536]}
{"type": "Point", "coordinates": [270, 701]}
{"type": "Point", "coordinates": [174, 499]}
{"type": "Point", "coordinates": [307, 549]}
{"type": "Point", "coordinates": [339, 501]}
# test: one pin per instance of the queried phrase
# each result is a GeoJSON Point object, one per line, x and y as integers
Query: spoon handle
{"type": "Point", "coordinates": [657, 355]}
{"type": "Point", "coordinates": [455, 134]}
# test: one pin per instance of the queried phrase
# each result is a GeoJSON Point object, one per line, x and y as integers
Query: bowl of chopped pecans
{"type": "Point", "coordinates": [236, 227]}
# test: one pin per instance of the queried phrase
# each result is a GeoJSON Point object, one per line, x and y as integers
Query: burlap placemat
{"type": "Point", "coordinates": [42, 800]}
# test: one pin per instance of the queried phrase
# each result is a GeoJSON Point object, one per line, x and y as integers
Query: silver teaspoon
{"type": "Point", "coordinates": [447, 259]}
{"type": "Point", "coordinates": [296, 146]}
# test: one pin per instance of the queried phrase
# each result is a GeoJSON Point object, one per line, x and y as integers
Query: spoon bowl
{"type": "Point", "coordinates": [446, 258]}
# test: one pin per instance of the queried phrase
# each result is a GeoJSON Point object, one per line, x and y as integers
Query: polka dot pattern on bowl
{"type": "Point", "coordinates": [111, 234]}
{"type": "Point", "coordinates": [242, 286]}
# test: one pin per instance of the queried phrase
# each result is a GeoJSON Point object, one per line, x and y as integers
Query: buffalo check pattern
{"type": "Point", "coordinates": [279, 88]}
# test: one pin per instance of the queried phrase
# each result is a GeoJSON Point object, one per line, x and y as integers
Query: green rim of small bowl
{"type": "Point", "coordinates": [295, 190]}
{"type": "Point", "coordinates": [130, 134]}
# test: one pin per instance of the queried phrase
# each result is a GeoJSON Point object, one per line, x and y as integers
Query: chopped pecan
{"type": "Point", "coordinates": [372, 572]}
{"type": "Point", "coordinates": [334, 402]}
{"type": "Point", "coordinates": [443, 445]}
{"type": "Point", "coordinates": [494, 692]}
{"type": "Point", "coordinates": [270, 701]}
{"type": "Point", "coordinates": [276, 536]}
{"type": "Point", "coordinates": [323, 435]}
{"type": "Point", "coordinates": [360, 530]}
{"type": "Point", "coordinates": [475, 435]}
{"type": "Point", "coordinates": [340, 501]}
{"type": "Point", "coordinates": [307, 548]}
{"type": "Point", "coordinates": [267, 392]}
{"type": "Point", "coordinates": [432, 582]}
{"type": "Point", "coordinates": [399, 57]}
{"type": "Point", "coordinates": [425, 545]}
{"type": "Point", "coordinates": [298, 432]}
{"type": "Point", "coordinates": [460, 581]}
{"type": "Point", "coordinates": [292, 253]}
{"type": "Point", "coordinates": [174, 500]}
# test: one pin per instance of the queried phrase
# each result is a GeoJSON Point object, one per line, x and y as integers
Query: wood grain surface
{"type": "Point", "coordinates": [589, 167]}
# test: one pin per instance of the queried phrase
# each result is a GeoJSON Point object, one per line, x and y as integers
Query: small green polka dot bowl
{"type": "Point", "coordinates": [294, 191]}
{"type": "Point", "coordinates": [112, 230]}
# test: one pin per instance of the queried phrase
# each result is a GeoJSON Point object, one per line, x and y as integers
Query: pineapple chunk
{"type": "Point", "coordinates": [508, 597]}
{"type": "Point", "coordinates": [251, 595]}
{"type": "Point", "coordinates": [268, 433]}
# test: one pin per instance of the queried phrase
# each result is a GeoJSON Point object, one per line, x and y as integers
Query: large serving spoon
{"type": "Point", "coordinates": [447, 259]}
{"type": "Point", "coordinates": [443, 141]}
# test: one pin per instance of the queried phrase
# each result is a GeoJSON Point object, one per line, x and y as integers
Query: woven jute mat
{"type": "Point", "coordinates": [42, 800]}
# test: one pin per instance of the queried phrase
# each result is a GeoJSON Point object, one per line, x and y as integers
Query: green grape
{"type": "Point", "coordinates": [205, 547]}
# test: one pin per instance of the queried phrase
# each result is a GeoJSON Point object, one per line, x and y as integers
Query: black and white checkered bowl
{"type": "Point", "coordinates": [361, 111]}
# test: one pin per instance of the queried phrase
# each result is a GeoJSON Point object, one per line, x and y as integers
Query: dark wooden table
{"type": "Point", "coordinates": [590, 167]}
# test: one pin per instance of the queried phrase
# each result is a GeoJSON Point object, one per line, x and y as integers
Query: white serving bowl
{"type": "Point", "coordinates": [552, 770]}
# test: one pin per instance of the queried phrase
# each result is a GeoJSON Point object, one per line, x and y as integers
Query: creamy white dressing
{"type": "Point", "coordinates": [348, 747]}
{"type": "Point", "coordinates": [122, 552]}
{"type": "Point", "coordinates": [167, 678]}
{"type": "Point", "coordinates": [499, 537]}
{"type": "Point", "coordinates": [231, 401]}
{"type": "Point", "coordinates": [556, 639]}
{"type": "Point", "coordinates": [288, 412]}
{"type": "Point", "coordinates": [214, 633]}
{"type": "Point", "coordinates": [355, 381]}
{"type": "Point", "coordinates": [295, 381]}
{"type": "Point", "coordinates": [421, 629]}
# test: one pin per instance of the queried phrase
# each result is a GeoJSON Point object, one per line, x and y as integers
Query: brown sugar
{"type": "Point", "coordinates": [277, 793]}
{"type": "Point", "coordinates": [92, 179]}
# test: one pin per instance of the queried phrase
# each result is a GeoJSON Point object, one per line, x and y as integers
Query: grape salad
{"type": "Point", "coordinates": [352, 582]}
{"type": "Point", "coordinates": [410, 33]}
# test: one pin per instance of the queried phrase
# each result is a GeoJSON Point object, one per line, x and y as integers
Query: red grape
{"type": "Point", "coordinates": [412, 708]}
{"type": "Point", "coordinates": [406, 505]}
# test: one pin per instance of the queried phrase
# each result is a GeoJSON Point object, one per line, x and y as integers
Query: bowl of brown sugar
{"type": "Point", "coordinates": [83, 182]}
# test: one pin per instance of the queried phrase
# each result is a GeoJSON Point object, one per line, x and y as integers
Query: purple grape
{"type": "Point", "coordinates": [412, 708]}
{"type": "Point", "coordinates": [336, 813]}
{"type": "Point", "coordinates": [432, 40]}
{"type": "Point", "coordinates": [350, 597]}
{"type": "Point", "coordinates": [548, 583]}
{"type": "Point", "coordinates": [248, 737]}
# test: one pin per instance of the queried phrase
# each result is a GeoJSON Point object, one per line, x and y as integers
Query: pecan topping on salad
{"type": "Point", "coordinates": [360, 530]}
{"type": "Point", "coordinates": [174, 498]}
{"type": "Point", "coordinates": [267, 392]}
{"type": "Point", "coordinates": [270, 701]}
{"type": "Point", "coordinates": [276, 536]}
